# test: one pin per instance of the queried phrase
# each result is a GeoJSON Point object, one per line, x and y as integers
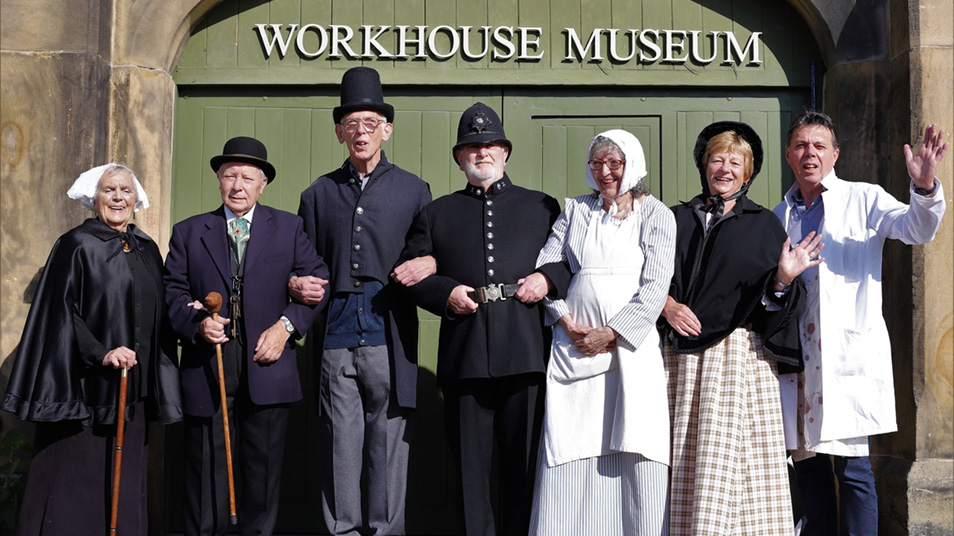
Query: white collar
{"type": "Point", "coordinates": [229, 215]}
{"type": "Point", "coordinates": [793, 195]}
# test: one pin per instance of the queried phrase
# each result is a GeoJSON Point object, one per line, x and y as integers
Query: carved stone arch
{"type": "Point", "coordinates": [846, 30]}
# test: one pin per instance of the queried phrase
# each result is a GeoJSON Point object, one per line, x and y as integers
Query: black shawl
{"type": "Point", "coordinates": [722, 274]}
{"type": "Point", "coordinates": [84, 306]}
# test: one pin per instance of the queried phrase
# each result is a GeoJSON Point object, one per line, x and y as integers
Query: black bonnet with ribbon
{"type": "Point", "coordinates": [745, 132]}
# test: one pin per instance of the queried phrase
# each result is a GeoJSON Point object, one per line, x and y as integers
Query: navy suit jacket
{"type": "Point", "coordinates": [198, 263]}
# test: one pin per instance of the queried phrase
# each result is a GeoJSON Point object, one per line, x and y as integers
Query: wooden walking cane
{"type": "Point", "coordinates": [118, 463]}
{"type": "Point", "coordinates": [214, 303]}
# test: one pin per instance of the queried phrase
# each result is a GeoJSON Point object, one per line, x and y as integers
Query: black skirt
{"type": "Point", "coordinates": [69, 485]}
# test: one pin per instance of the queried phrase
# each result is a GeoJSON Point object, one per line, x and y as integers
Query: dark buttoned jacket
{"type": "Point", "coordinates": [198, 263]}
{"type": "Point", "coordinates": [481, 238]}
{"type": "Point", "coordinates": [360, 234]}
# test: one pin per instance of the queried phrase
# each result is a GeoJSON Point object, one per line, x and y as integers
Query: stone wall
{"type": "Point", "coordinates": [880, 101]}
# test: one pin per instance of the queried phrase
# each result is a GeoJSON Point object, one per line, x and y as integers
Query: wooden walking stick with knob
{"type": "Point", "coordinates": [118, 462]}
{"type": "Point", "coordinates": [214, 303]}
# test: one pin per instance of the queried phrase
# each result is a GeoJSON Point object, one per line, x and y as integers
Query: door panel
{"type": "Point", "coordinates": [552, 133]}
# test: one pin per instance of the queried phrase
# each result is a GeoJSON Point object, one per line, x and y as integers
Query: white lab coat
{"type": "Point", "coordinates": [857, 379]}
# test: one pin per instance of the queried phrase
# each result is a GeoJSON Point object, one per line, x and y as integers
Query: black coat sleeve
{"type": "Point", "coordinates": [433, 292]}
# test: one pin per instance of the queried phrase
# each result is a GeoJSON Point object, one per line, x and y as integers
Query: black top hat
{"type": "Point", "coordinates": [247, 150]}
{"type": "Point", "coordinates": [745, 131]}
{"type": "Point", "coordinates": [360, 91]}
{"type": "Point", "coordinates": [480, 124]}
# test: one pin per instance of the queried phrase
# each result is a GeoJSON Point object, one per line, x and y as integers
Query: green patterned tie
{"type": "Point", "coordinates": [238, 237]}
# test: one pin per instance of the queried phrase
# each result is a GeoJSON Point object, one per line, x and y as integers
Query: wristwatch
{"type": "Point", "coordinates": [922, 191]}
{"type": "Point", "coordinates": [289, 327]}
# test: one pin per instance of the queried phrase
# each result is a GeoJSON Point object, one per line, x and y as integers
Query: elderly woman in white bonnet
{"type": "Point", "coordinates": [98, 309]}
{"type": "Point", "coordinates": [603, 465]}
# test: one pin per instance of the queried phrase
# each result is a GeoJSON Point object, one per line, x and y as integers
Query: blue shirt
{"type": "Point", "coordinates": [803, 220]}
{"type": "Point", "coordinates": [357, 319]}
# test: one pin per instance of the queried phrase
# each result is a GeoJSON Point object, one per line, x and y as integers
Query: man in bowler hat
{"type": "Point", "coordinates": [244, 251]}
{"type": "Point", "coordinates": [493, 345]}
{"type": "Point", "coordinates": [357, 216]}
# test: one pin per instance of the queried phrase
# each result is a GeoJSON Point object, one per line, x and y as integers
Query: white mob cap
{"type": "Point", "coordinates": [84, 187]}
{"type": "Point", "coordinates": [635, 168]}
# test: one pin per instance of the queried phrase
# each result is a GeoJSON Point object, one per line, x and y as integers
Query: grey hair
{"type": "Point", "coordinates": [602, 143]}
{"type": "Point", "coordinates": [112, 169]}
{"type": "Point", "coordinates": [810, 118]}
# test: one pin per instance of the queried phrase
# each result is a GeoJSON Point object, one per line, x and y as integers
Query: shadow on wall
{"type": "Point", "coordinates": [16, 439]}
{"type": "Point", "coordinates": [8, 421]}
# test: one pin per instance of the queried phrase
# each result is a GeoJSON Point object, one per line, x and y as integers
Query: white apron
{"type": "Point", "coordinates": [614, 401]}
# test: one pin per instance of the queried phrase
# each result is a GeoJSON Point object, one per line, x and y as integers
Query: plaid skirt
{"type": "Point", "coordinates": [729, 474]}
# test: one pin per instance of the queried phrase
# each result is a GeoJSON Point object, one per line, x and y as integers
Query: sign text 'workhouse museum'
{"type": "Point", "coordinates": [507, 43]}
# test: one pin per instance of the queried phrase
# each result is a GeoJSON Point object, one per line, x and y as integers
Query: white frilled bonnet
{"type": "Point", "coordinates": [84, 187]}
{"type": "Point", "coordinates": [635, 168]}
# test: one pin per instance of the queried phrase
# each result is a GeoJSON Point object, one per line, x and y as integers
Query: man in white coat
{"type": "Point", "coordinates": [846, 392]}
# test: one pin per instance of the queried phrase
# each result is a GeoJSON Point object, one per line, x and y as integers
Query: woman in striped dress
{"type": "Point", "coordinates": [730, 319]}
{"type": "Point", "coordinates": [602, 467]}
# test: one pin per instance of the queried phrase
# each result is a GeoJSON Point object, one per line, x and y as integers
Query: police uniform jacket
{"type": "Point", "coordinates": [480, 238]}
{"type": "Point", "coordinates": [360, 234]}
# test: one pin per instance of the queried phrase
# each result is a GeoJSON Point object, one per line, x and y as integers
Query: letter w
{"type": "Point", "coordinates": [269, 43]}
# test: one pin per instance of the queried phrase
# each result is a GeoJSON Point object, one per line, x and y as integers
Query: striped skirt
{"type": "Point", "coordinates": [728, 449]}
{"type": "Point", "coordinates": [620, 494]}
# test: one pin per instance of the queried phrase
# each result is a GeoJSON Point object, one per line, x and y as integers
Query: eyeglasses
{"type": "Point", "coordinates": [597, 165]}
{"type": "Point", "coordinates": [368, 125]}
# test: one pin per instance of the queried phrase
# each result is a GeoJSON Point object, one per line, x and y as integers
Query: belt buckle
{"type": "Point", "coordinates": [494, 292]}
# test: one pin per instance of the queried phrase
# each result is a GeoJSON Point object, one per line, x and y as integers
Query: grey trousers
{"type": "Point", "coordinates": [364, 444]}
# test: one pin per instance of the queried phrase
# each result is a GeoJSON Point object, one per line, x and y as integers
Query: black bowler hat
{"type": "Point", "coordinates": [246, 150]}
{"type": "Point", "coordinates": [480, 124]}
{"type": "Point", "coordinates": [742, 129]}
{"type": "Point", "coordinates": [361, 91]}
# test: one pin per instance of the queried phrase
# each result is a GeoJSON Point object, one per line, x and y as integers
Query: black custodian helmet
{"type": "Point", "coordinates": [480, 124]}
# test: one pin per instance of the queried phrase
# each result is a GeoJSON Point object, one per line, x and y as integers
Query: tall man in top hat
{"type": "Point", "coordinates": [846, 392]}
{"type": "Point", "coordinates": [357, 216]}
{"type": "Point", "coordinates": [493, 346]}
{"type": "Point", "coordinates": [244, 251]}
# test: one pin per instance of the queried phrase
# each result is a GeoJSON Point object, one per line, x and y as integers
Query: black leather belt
{"type": "Point", "coordinates": [492, 293]}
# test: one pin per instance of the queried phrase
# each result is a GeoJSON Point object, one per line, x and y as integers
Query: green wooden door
{"type": "Point", "coordinates": [550, 130]}
{"type": "Point", "coordinates": [551, 108]}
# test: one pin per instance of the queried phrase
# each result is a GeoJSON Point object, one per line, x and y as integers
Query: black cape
{"type": "Point", "coordinates": [722, 275]}
{"type": "Point", "coordinates": [84, 306]}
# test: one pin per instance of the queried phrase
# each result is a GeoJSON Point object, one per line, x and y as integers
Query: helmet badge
{"type": "Point", "coordinates": [480, 122]}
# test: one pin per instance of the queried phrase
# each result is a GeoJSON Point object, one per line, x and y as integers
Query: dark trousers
{"type": "Point", "coordinates": [856, 490]}
{"type": "Point", "coordinates": [477, 411]}
{"type": "Point", "coordinates": [257, 459]}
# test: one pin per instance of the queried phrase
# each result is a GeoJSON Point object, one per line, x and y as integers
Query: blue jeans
{"type": "Point", "coordinates": [856, 488]}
